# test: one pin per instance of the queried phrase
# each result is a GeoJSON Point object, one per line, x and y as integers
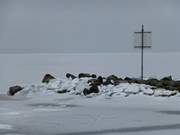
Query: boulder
{"type": "Point", "coordinates": [96, 82]}
{"type": "Point", "coordinates": [175, 83]}
{"type": "Point", "coordinates": [91, 80]}
{"type": "Point", "coordinates": [14, 89]}
{"type": "Point", "coordinates": [92, 89]}
{"type": "Point", "coordinates": [86, 91]}
{"type": "Point", "coordinates": [47, 78]}
{"type": "Point", "coordinates": [68, 75]}
{"type": "Point", "coordinates": [168, 78]}
{"type": "Point", "coordinates": [164, 93]}
{"type": "Point", "coordinates": [139, 81]}
{"type": "Point", "coordinates": [108, 82]}
{"type": "Point", "coordinates": [93, 76]}
{"type": "Point", "coordinates": [165, 83]}
{"type": "Point", "coordinates": [152, 82]}
{"type": "Point", "coordinates": [129, 80]}
{"type": "Point", "coordinates": [62, 91]}
{"type": "Point", "coordinates": [100, 80]}
{"type": "Point", "coordinates": [112, 79]}
{"type": "Point", "coordinates": [169, 87]}
{"type": "Point", "coordinates": [82, 75]}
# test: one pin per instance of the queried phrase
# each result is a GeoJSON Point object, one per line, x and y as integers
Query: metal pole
{"type": "Point", "coordinates": [141, 35]}
{"type": "Point", "coordinates": [142, 49]}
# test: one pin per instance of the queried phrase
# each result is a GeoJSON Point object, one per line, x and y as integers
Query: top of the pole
{"type": "Point", "coordinates": [142, 27]}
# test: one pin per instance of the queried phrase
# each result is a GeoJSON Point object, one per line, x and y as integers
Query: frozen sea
{"type": "Point", "coordinates": [77, 115]}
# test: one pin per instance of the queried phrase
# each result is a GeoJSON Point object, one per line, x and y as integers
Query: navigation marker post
{"type": "Point", "coordinates": [142, 40]}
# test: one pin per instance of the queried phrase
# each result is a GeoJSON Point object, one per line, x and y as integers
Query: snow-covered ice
{"type": "Point", "coordinates": [66, 114]}
{"type": "Point", "coordinates": [133, 109]}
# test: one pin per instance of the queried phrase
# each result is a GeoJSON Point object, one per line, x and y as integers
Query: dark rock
{"type": "Point", "coordinates": [152, 82]}
{"type": "Point", "coordinates": [91, 81]}
{"type": "Point", "coordinates": [123, 81]}
{"type": "Point", "coordinates": [168, 87]}
{"type": "Point", "coordinates": [178, 88]}
{"type": "Point", "coordinates": [165, 83]}
{"type": "Point", "coordinates": [92, 89]}
{"type": "Point", "coordinates": [100, 80]}
{"type": "Point", "coordinates": [82, 75]}
{"type": "Point", "coordinates": [14, 89]}
{"type": "Point", "coordinates": [129, 80]}
{"type": "Point", "coordinates": [108, 82]}
{"type": "Point", "coordinates": [62, 91]}
{"type": "Point", "coordinates": [112, 79]}
{"type": "Point", "coordinates": [168, 78]}
{"type": "Point", "coordinates": [86, 91]}
{"type": "Point", "coordinates": [47, 78]}
{"type": "Point", "coordinates": [96, 82]}
{"type": "Point", "coordinates": [175, 83]}
{"type": "Point", "coordinates": [139, 81]}
{"type": "Point", "coordinates": [159, 85]}
{"type": "Point", "coordinates": [68, 75]}
{"type": "Point", "coordinates": [93, 76]}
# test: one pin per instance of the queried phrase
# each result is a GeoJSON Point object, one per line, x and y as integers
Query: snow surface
{"type": "Point", "coordinates": [131, 109]}
{"type": "Point", "coordinates": [66, 114]}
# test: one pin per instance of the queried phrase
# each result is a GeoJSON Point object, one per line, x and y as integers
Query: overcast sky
{"type": "Point", "coordinates": [87, 26]}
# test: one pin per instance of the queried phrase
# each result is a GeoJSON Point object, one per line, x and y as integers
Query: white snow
{"type": "Point", "coordinates": [65, 114]}
{"type": "Point", "coordinates": [162, 92]}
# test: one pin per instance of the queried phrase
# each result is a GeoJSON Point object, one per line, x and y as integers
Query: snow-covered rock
{"type": "Point", "coordinates": [164, 93]}
{"type": "Point", "coordinates": [35, 90]}
{"type": "Point", "coordinates": [78, 85]}
{"type": "Point", "coordinates": [131, 88]}
{"type": "Point", "coordinates": [148, 91]}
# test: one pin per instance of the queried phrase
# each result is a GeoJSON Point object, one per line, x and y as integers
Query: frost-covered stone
{"type": "Point", "coordinates": [89, 85]}
{"type": "Point", "coordinates": [132, 89]}
{"type": "Point", "coordinates": [148, 91]}
{"type": "Point", "coordinates": [164, 93]}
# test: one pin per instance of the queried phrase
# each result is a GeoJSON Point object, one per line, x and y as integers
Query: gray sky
{"type": "Point", "coordinates": [81, 26]}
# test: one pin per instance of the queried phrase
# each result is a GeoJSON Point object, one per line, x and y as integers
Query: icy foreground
{"type": "Point", "coordinates": [133, 109]}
